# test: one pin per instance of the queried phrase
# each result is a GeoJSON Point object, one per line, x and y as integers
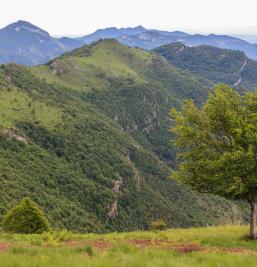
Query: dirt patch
{"type": "Point", "coordinates": [100, 245]}
{"type": "Point", "coordinates": [151, 243]}
{"type": "Point", "coordinates": [166, 244]}
{"type": "Point", "coordinates": [141, 243]}
{"type": "Point", "coordinates": [73, 243]}
{"type": "Point", "coordinates": [187, 248]}
{"type": "Point", "coordinates": [3, 247]}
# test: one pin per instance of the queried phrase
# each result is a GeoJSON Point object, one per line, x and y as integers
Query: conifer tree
{"type": "Point", "coordinates": [25, 218]}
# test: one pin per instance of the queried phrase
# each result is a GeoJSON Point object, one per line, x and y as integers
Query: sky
{"type": "Point", "coordinates": [80, 17]}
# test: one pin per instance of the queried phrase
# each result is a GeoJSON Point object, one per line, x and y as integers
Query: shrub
{"type": "Point", "coordinates": [89, 250]}
{"type": "Point", "coordinates": [158, 225]}
{"type": "Point", "coordinates": [55, 238]}
{"type": "Point", "coordinates": [25, 218]}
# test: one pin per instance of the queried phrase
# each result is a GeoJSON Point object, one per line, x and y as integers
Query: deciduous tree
{"type": "Point", "coordinates": [218, 146]}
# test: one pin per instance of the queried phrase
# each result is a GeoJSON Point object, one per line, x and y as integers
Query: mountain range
{"type": "Point", "coordinates": [24, 43]}
{"type": "Point", "coordinates": [151, 39]}
{"type": "Point", "coordinates": [86, 136]}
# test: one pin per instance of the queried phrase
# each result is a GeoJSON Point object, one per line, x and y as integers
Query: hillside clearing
{"type": "Point", "coordinates": [211, 246]}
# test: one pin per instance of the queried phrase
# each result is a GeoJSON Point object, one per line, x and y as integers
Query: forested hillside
{"type": "Point", "coordinates": [86, 137]}
{"type": "Point", "coordinates": [218, 65]}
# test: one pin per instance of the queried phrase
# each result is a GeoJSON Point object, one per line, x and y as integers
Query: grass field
{"type": "Point", "coordinates": [18, 106]}
{"type": "Point", "coordinates": [107, 59]}
{"type": "Point", "coordinates": [212, 246]}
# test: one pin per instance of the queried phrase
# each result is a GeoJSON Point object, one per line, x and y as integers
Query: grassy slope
{"type": "Point", "coordinates": [132, 86]}
{"type": "Point", "coordinates": [84, 139]}
{"type": "Point", "coordinates": [213, 246]}
{"type": "Point", "coordinates": [216, 64]}
{"type": "Point", "coordinates": [89, 68]}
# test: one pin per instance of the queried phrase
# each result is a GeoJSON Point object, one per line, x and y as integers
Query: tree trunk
{"type": "Point", "coordinates": [253, 220]}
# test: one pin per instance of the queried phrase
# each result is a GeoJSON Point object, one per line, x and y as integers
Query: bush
{"type": "Point", "coordinates": [158, 225]}
{"type": "Point", "coordinates": [89, 250]}
{"type": "Point", "coordinates": [25, 218]}
{"type": "Point", "coordinates": [55, 238]}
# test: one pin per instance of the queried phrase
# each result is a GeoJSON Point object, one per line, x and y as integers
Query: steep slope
{"type": "Point", "coordinates": [90, 151]}
{"type": "Point", "coordinates": [24, 43]}
{"type": "Point", "coordinates": [132, 86]}
{"type": "Point", "coordinates": [215, 64]}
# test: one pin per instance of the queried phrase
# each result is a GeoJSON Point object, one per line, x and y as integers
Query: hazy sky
{"type": "Point", "coordinates": [77, 17]}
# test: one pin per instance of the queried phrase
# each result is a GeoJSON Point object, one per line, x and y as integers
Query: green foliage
{"type": "Point", "coordinates": [89, 250]}
{"type": "Point", "coordinates": [25, 218]}
{"type": "Point", "coordinates": [111, 131]}
{"type": "Point", "coordinates": [55, 238]}
{"type": "Point", "coordinates": [215, 64]}
{"type": "Point", "coordinates": [158, 225]}
{"type": "Point", "coordinates": [218, 144]}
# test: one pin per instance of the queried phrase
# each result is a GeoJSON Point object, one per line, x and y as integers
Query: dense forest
{"type": "Point", "coordinates": [86, 137]}
{"type": "Point", "coordinates": [215, 64]}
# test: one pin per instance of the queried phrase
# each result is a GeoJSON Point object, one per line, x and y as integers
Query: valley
{"type": "Point", "coordinates": [128, 133]}
{"type": "Point", "coordinates": [93, 119]}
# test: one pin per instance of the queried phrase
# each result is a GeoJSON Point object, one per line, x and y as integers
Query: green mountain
{"type": "Point", "coordinates": [215, 64]}
{"type": "Point", "coordinates": [86, 137]}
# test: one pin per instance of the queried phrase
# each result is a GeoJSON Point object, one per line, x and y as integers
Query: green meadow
{"type": "Point", "coordinates": [195, 247]}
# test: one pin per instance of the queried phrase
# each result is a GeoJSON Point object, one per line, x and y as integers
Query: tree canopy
{"type": "Point", "coordinates": [218, 145]}
{"type": "Point", "coordinates": [25, 218]}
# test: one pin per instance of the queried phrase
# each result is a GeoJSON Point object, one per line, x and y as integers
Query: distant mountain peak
{"type": "Point", "coordinates": [23, 22]}
{"type": "Point", "coordinates": [109, 28]}
{"type": "Point", "coordinates": [24, 43]}
{"type": "Point", "coordinates": [140, 27]}
{"type": "Point", "coordinates": [27, 26]}
{"type": "Point", "coordinates": [111, 32]}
